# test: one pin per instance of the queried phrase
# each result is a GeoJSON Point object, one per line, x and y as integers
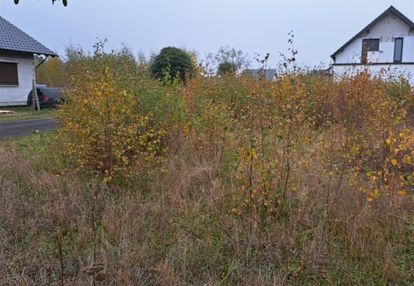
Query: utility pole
{"type": "Point", "coordinates": [35, 98]}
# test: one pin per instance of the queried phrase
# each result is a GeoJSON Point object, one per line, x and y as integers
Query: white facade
{"type": "Point", "coordinates": [391, 25]}
{"type": "Point", "coordinates": [384, 71]}
{"type": "Point", "coordinates": [17, 94]}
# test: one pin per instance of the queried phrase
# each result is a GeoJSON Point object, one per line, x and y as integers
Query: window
{"type": "Point", "coordinates": [8, 74]}
{"type": "Point", "coordinates": [369, 45]}
{"type": "Point", "coordinates": [398, 50]}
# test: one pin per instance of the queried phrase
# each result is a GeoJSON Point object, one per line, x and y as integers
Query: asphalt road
{"type": "Point", "coordinates": [15, 129]}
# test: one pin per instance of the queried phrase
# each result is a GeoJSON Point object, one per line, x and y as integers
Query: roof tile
{"type": "Point", "coordinates": [14, 39]}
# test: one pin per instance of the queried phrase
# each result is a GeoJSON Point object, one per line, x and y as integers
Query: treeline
{"type": "Point", "coordinates": [170, 63]}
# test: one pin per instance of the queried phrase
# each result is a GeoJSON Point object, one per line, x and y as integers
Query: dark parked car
{"type": "Point", "coordinates": [48, 97]}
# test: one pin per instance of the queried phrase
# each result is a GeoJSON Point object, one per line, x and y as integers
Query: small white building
{"type": "Point", "coordinates": [17, 66]}
{"type": "Point", "coordinates": [385, 46]}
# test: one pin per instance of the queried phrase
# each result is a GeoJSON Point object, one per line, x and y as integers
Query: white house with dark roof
{"type": "Point", "coordinates": [385, 45]}
{"type": "Point", "coordinates": [17, 66]}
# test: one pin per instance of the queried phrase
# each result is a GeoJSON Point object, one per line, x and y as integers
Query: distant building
{"type": "Point", "coordinates": [322, 72]}
{"type": "Point", "coordinates": [17, 67]}
{"type": "Point", "coordinates": [387, 43]}
{"type": "Point", "coordinates": [269, 74]}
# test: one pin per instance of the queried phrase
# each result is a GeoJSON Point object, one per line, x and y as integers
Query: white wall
{"type": "Point", "coordinates": [17, 95]}
{"type": "Point", "coordinates": [386, 30]}
{"type": "Point", "coordinates": [383, 71]}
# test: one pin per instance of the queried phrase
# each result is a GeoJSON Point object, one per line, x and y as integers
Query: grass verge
{"type": "Point", "coordinates": [25, 113]}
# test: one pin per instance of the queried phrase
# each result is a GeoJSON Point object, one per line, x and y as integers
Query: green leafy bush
{"type": "Point", "coordinates": [172, 63]}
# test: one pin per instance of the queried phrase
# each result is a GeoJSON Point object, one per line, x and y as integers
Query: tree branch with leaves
{"type": "Point", "coordinates": [64, 2]}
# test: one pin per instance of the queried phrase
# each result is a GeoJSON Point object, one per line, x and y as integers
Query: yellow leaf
{"type": "Point", "coordinates": [402, 193]}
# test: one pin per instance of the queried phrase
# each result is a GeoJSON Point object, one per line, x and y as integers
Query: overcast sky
{"type": "Point", "coordinates": [254, 26]}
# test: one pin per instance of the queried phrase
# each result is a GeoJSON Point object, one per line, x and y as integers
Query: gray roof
{"type": "Point", "coordinates": [14, 39]}
{"type": "Point", "coordinates": [391, 10]}
{"type": "Point", "coordinates": [269, 74]}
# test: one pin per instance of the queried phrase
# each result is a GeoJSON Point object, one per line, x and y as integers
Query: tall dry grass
{"type": "Point", "coordinates": [181, 229]}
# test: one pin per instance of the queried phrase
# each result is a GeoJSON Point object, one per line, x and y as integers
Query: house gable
{"type": "Point", "coordinates": [388, 26]}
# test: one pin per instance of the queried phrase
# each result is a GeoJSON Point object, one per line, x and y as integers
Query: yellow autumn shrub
{"type": "Point", "coordinates": [104, 128]}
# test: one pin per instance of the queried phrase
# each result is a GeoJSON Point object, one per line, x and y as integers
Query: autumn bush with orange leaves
{"type": "Point", "coordinates": [303, 176]}
{"type": "Point", "coordinates": [267, 127]}
{"type": "Point", "coordinates": [118, 121]}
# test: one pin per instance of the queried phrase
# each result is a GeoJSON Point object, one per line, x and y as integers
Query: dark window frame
{"type": "Point", "coordinates": [368, 48]}
{"type": "Point", "coordinates": [9, 73]}
{"type": "Point", "coordinates": [398, 60]}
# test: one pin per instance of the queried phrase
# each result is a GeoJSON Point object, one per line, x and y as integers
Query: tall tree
{"type": "Point", "coordinates": [226, 61]}
{"type": "Point", "coordinates": [53, 72]}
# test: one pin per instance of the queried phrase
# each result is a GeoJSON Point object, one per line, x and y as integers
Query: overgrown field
{"type": "Point", "coordinates": [222, 181]}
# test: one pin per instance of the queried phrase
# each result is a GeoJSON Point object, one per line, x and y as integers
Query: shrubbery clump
{"type": "Point", "coordinates": [172, 63]}
{"type": "Point", "coordinates": [116, 119]}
